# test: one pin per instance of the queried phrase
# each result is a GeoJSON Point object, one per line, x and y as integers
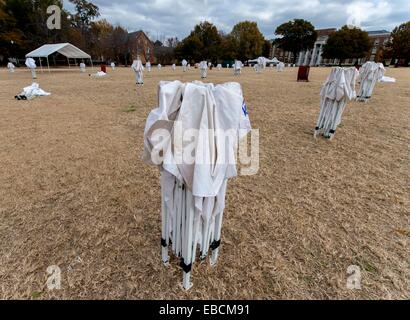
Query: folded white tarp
{"type": "Point", "coordinates": [99, 74]}
{"type": "Point", "coordinates": [194, 173]}
{"type": "Point", "coordinates": [31, 92]}
{"type": "Point", "coordinates": [388, 80]}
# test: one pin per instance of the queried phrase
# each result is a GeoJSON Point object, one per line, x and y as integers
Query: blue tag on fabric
{"type": "Point", "coordinates": [245, 109]}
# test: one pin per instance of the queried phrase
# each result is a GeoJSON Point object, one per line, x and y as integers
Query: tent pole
{"type": "Point", "coordinates": [41, 66]}
{"type": "Point", "coordinates": [69, 66]}
{"type": "Point", "coordinates": [92, 66]}
{"type": "Point", "coordinates": [48, 65]}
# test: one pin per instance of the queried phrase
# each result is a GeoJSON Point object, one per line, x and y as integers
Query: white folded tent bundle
{"type": "Point", "coordinates": [237, 66]}
{"type": "Point", "coordinates": [280, 67]}
{"type": "Point", "coordinates": [31, 92]}
{"type": "Point", "coordinates": [203, 67]}
{"type": "Point", "coordinates": [219, 66]}
{"type": "Point", "coordinates": [370, 73]}
{"type": "Point", "coordinates": [339, 88]}
{"type": "Point", "coordinates": [99, 74]}
{"type": "Point", "coordinates": [184, 65]}
{"type": "Point", "coordinates": [174, 67]}
{"type": "Point", "coordinates": [261, 62]}
{"type": "Point", "coordinates": [11, 67]}
{"type": "Point", "coordinates": [159, 66]}
{"type": "Point", "coordinates": [138, 69]}
{"type": "Point", "coordinates": [388, 80]}
{"type": "Point", "coordinates": [31, 64]}
{"type": "Point", "coordinates": [193, 192]}
{"type": "Point", "coordinates": [112, 65]}
{"type": "Point", "coordinates": [82, 67]}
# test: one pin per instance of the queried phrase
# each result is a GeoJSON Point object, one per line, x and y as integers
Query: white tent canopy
{"type": "Point", "coordinates": [66, 49]}
{"type": "Point", "coordinates": [274, 60]}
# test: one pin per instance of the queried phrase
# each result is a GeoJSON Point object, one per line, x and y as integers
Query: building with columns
{"type": "Point", "coordinates": [313, 57]}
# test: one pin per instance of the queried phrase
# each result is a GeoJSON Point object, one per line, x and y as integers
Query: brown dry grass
{"type": "Point", "coordinates": [72, 185]}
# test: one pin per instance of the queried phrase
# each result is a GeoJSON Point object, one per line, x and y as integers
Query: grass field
{"type": "Point", "coordinates": [74, 193]}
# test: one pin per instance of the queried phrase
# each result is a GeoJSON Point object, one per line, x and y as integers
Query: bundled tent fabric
{"type": "Point", "coordinates": [388, 80]}
{"type": "Point", "coordinates": [65, 49]}
{"type": "Point", "coordinates": [138, 68]}
{"type": "Point", "coordinates": [280, 67]}
{"type": "Point", "coordinates": [370, 74]}
{"type": "Point", "coordinates": [261, 62]}
{"type": "Point", "coordinates": [174, 67]}
{"type": "Point", "coordinates": [203, 66]}
{"type": "Point", "coordinates": [31, 64]}
{"type": "Point", "coordinates": [99, 74]}
{"type": "Point", "coordinates": [112, 65]}
{"type": "Point", "coordinates": [159, 66]}
{"type": "Point", "coordinates": [184, 65]}
{"type": "Point", "coordinates": [194, 175]}
{"type": "Point", "coordinates": [237, 67]}
{"type": "Point", "coordinates": [148, 66]}
{"type": "Point", "coordinates": [11, 67]}
{"type": "Point", "coordinates": [339, 88]}
{"type": "Point", "coordinates": [82, 67]}
{"type": "Point", "coordinates": [219, 66]}
{"type": "Point", "coordinates": [31, 92]}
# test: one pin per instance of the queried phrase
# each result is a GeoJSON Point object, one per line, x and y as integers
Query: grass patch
{"type": "Point", "coordinates": [130, 109]}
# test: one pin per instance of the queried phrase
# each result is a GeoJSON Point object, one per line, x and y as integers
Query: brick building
{"type": "Point", "coordinates": [141, 45]}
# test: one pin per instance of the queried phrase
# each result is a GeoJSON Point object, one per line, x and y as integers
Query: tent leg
{"type": "Point", "coordinates": [48, 65]}
{"type": "Point", "coordinates": [69, 66]}
{"type": "Point", "coordinates": [41, 66]}
{"type": "Point", "coordinates": [92, 66]}
{"type": "Point", "coordinates": [187, 262]}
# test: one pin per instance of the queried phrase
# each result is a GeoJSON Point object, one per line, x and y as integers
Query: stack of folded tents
{"type": "Point", "coordinates": [186, 137]}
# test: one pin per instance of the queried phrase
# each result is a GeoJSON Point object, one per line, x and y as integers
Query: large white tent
{"type": "Point", "coordinates": [66, 49]}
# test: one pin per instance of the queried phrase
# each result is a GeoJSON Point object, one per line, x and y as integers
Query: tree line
{"type": "Point", "coordinates": [23, 28]}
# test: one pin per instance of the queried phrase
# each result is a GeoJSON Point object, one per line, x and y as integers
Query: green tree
{"type": "Point", "coordinates": [400, 42]}
{"type": "Point", "coordinates": [23, 25]}
{"type": "Point", "coordinates": [190, 48]}
{"type": "Point", "coordinates": [228, 49]}
{"type": "Point", "coordinates": [203, 43]}
{"type": "Point", "coordinates": [296, 36]}
{"type": "Point", "coordinates": [249, 41]}
{"type": "Point", "coordinates": [85, 13]}
{"type": "Point", "coordinates": [267, 47]}
{"type": "Point", "coordinates": [347, 43]}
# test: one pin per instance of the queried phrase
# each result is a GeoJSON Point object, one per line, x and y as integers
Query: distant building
{"type": "Point", "coordinates": [314, 57]}
{"type": "Point", "coordinates": [379, 38]}
{"type": "Point", "coordinates": [141, 45]}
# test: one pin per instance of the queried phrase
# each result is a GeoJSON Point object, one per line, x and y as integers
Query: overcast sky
{"type": "Point", "coordinates": [168, 18]}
